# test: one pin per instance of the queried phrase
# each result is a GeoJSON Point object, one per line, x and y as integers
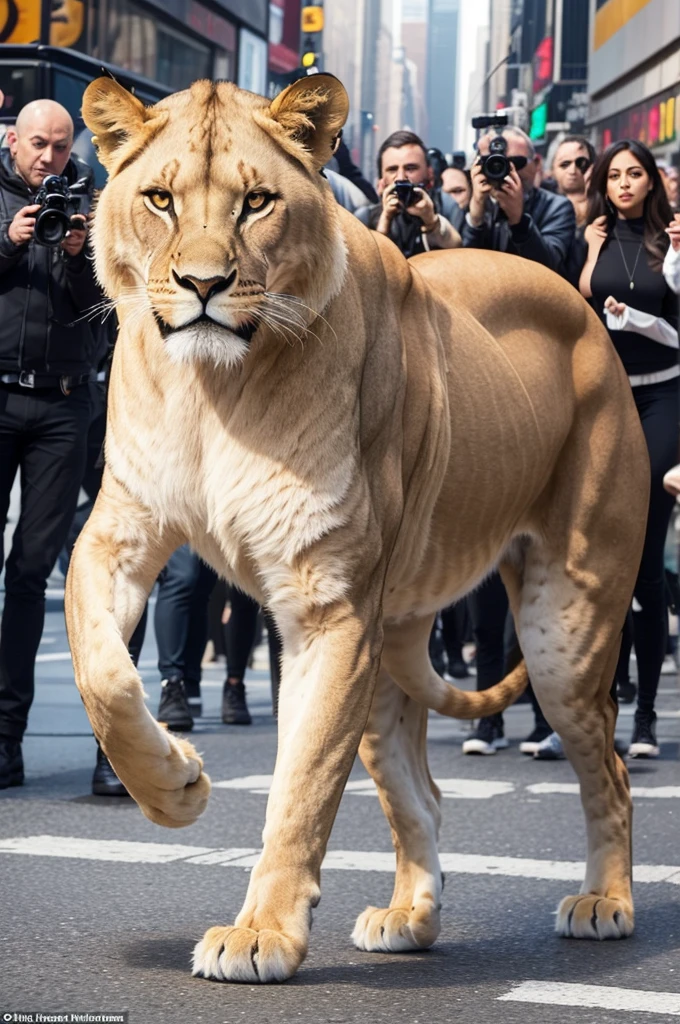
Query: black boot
{"type": "Point", "coordinates": [234, 707]}
{"type": "Point", "coordinates": [105, 782]}
{"type": "Point", "coordinates": [174, 710]}
{"type": "Point", "coordinates": [11, 764]}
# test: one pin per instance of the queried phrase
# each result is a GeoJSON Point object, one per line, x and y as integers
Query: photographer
{"type": "Point", "coordinates": [46, 287]}
{"type": "Point", "coordinates": [510, 215]}
{"type": "Point", "coordinates": [417, 219]}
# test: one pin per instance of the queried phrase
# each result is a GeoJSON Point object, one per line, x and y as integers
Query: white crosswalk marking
{"type": "Point", "coordinates": [70, 847]}
{"type": "Point", "coordinates": [639, 792]}
{"type": "Point", "coordinates": [605, 997]}
{"type": "Point", "coordinates": [454, 789]}
{"type": "Point", "coordinates": [458, 789]}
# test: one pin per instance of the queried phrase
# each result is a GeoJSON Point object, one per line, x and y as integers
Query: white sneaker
{"type": "Point", "coordinates": [550, 749]}
{"type": "Point", "coordinates": [487, 738]}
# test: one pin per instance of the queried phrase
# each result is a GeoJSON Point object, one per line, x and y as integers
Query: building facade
{"type": "Point", "coordinates": [172, 42]}
{"type": "Point", "coordinates": [634, 73]}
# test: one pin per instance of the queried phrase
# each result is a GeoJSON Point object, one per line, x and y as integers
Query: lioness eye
{"type": "Point", "coordinates": [161, 200]}
{"type": "Point", "coordinates": [256, 200]}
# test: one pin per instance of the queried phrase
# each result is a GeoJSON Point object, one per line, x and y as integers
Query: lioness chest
{"type": "Point", "coordinates": [229, 496]}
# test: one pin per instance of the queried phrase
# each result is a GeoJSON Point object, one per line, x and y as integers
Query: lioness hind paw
{"type": "Point", "coordinates": [246, 955]}
{"type": "Point", "coordinates": [395, 929]}
{"type": "Point", "coordinates": [594, 917]}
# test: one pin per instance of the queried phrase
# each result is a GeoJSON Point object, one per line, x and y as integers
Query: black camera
{"type": "Point", "coordinates": [58, 202]}
{"type": "Point", "coordinates": [406, 192]}
{"type": "Point", "coordinates": [495, 165]}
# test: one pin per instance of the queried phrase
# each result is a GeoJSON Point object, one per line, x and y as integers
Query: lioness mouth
{"type": "Point", "coordinates": [244, 331]}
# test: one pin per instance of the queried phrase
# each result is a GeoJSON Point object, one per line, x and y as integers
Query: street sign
{"type": "Point", "coordinates": [312, 19]}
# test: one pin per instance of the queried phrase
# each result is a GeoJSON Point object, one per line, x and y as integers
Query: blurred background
{"type": "Point", "coordinates": [606, 68]}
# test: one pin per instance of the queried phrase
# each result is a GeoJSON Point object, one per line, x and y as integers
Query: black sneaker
{"type": "Point", "coordinates": [531, 744]}
{"type": "Point", "coordinates": [174, 710]}
{"type": "Point", "coordinates": [643, 743]}
{"type": "Point", "coordinates": [487, 738]}
{"type": "Point", "coordinates": [234, 707]}
{"type": "Point", "coordinates": [11, 764]}
{"type": "Point", "coordinates": [626, 691]}
{"type": "Point", "coordinates": [105, 782]}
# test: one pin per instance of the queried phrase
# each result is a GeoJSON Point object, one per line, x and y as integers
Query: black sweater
{"type": "Point", "coordinates": [651, 294]}
{"type": "Point", "coordinates": [44, 293]}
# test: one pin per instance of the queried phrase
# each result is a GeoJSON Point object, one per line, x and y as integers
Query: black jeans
{"type": "Point", "coordinates": [494, 634]}
{"type": "Point", "coordinates": [239, 633]}
{"type": "Point", "coordinates": [657, 405]}
{"type": "Point", "coordinates": [43, 434]}
{"type": "Point", "coordinates": [181, 619]}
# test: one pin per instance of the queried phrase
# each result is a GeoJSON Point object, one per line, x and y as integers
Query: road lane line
{"type": "Point", "coordinates": [605, 997]}
{"type": "Point", "coordinates": [70, 847]}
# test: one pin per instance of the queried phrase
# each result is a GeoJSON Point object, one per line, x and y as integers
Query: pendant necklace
{"type": "Point", "coordinates": [630, 276]}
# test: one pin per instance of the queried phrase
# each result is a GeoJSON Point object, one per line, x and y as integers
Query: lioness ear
{"type": "Point", "coordinates": [120, 122]}
{"type": "Point", "coordinates": [312, 112]}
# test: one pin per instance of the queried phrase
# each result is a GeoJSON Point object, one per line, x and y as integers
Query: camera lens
{"type": "Point", "coordinates": [51, 227]}
{"type": "Point", "coordinates": [496, 167]}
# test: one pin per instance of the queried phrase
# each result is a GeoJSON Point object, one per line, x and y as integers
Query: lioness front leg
{"type": "Point", "coordinates": [114, 565]}
{"type": "Point", "coordinates": [329, 666]}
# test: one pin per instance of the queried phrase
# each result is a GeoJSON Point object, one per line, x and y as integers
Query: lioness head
{"type": "Point", "coordinates": [215, 219]}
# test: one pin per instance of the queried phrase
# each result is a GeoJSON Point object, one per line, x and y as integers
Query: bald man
{"type": "Point", "coordinates": [45, 366]}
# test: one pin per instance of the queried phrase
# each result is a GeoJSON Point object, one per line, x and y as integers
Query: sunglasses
{"type": "Point", "coordinates": [582, 163]}
{"type": "Point", "coordinates": [518, 162]}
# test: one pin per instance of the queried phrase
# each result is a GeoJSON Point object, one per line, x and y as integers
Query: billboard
{"type": "Point", "coordinates": [20, 21]}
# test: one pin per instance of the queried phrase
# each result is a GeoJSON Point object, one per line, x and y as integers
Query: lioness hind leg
{"type": "Point", "coordinates": [570, 640]}
{"type": "Point", "coordinates": [393, 750]}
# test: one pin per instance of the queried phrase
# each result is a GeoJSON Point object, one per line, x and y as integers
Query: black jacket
{"type": "Point", "coordinates": [405, 230]}
{"type": "Point", "coordinates": [545, 233]}
{"type": "Point", "coordinates": [44, 292]}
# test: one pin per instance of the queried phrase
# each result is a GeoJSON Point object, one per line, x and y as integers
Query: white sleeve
{"type": "Point", "coordinates": [671, 269]}
{"type": "Point", "coordinates": [653, 327]}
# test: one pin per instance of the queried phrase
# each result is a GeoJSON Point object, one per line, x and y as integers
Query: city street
{"type": "Point", "coordinates": [102, 908]}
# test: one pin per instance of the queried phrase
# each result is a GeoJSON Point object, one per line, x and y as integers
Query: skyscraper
{"type": "Point", "coordinates": [440, 89]}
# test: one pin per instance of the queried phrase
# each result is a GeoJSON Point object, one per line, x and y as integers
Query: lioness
{"type": "Point", "coordinates": [355, 441]}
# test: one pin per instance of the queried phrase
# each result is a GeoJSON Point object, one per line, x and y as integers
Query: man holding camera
{"type": "Point", "coordinates": [415, 215]}
{"type": "Point", "coordinates": [507, 213]}
{"type": "Point", "coordinates": [47, 285]}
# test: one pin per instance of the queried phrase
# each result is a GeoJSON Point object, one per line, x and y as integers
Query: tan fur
{"type": "Point", "coordinates": [386, 438]}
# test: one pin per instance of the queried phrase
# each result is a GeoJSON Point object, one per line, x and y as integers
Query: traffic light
{"type": "Point", "coordinates": [312, 29]}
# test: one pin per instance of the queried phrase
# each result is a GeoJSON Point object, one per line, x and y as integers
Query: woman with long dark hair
{"type": "Point", "coordinates": [627, 242]}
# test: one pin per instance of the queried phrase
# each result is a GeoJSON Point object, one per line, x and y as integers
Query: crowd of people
{"type": "Point", "coordinates": [606, 223]}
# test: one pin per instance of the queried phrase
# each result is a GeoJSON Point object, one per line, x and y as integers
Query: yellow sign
{"type": "Point", "coordinates": [312, 19]}
{"type": "Point", "coordinates": [20, 21]}
{"type": "Point", "coordinates": [612, 17]}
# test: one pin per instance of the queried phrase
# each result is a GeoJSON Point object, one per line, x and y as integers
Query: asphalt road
{"type": "Point", "coordinates": [90, 922]}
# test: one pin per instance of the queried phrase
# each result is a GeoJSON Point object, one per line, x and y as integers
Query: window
{"type": "Point", "coordinates": [276, 15]}
{"type": "Point", "coordinates": [20, 86]}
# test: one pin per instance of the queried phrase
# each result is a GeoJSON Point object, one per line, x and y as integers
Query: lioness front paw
{"type": "Point", "coordinates": [170, 787]}
{"type": "Point", "coordinates": [594, 917]}
{"type": "Point", "coordinates": [243, 954]}
{"type": "Point", "coordinates": [396, 930]}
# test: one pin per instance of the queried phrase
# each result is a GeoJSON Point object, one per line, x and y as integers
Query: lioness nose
{"type": "Point", "coordinates": [205, 287]}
